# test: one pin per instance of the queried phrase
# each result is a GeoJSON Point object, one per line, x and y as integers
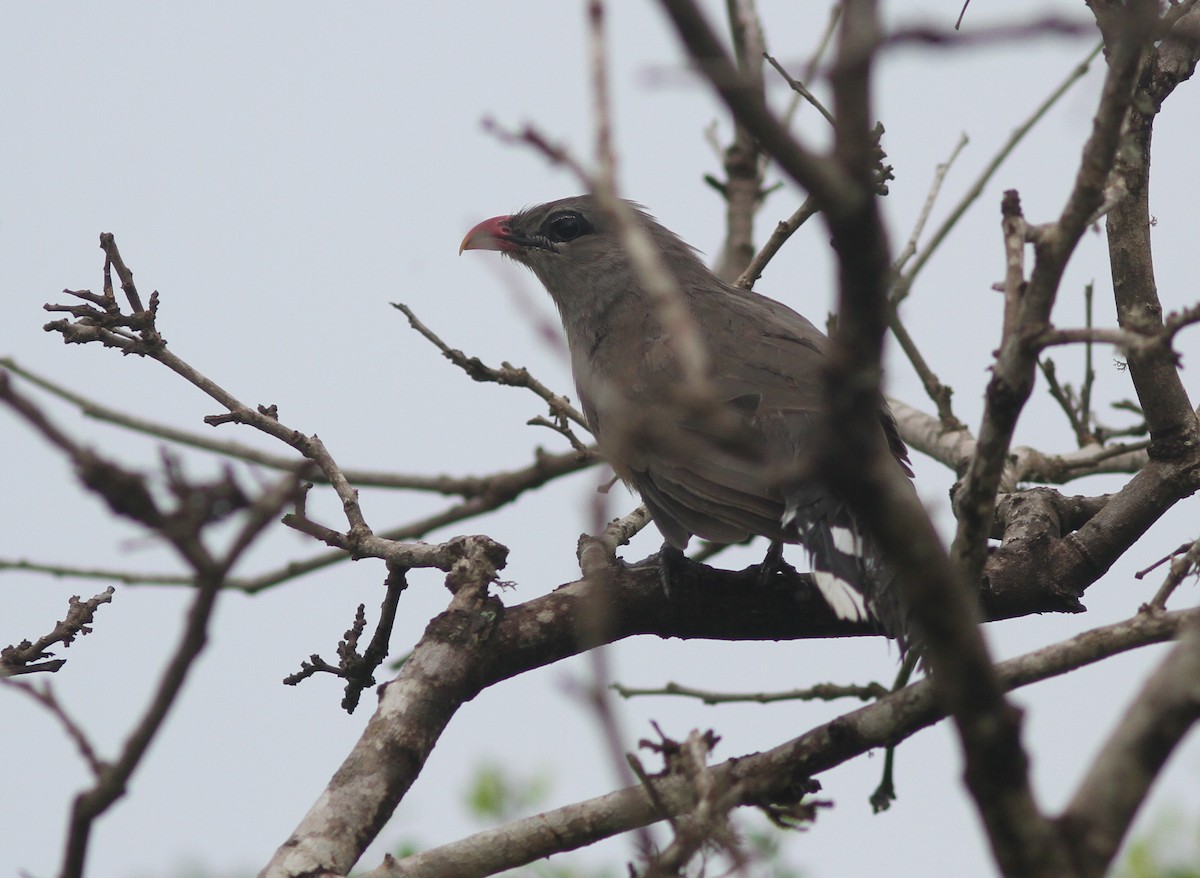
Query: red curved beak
{"type": "Point", "coordinates": [491, 234]}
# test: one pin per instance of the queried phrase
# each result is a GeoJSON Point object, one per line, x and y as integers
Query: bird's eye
{"type": "Point", "coordinates": [566, 226]}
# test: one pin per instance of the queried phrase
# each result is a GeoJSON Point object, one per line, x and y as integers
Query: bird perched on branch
{"type": "Point", "coordinates": [714, 440]}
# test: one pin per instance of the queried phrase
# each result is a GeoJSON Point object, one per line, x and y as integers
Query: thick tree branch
{"type": "Point", "coordinates": [1151, 728]}
{"type": "Point", "coordinates": [463, 652]}
{"type": "Point", "coordinates": [944, 615]}
{"type": "Point", "coordinates": [413, 710]}
{"type": "Point", "coordinates": [954, 448]}
{"type": "Point", "coordinates": [763, 776]}
{"type": "Point", "coordinates": [1172, 423]}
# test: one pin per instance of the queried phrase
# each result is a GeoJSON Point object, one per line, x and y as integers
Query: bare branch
{"type": "Point", "coordinates": [819, 692]}
{"type": "Point", "coordinates": [128, 577]}
{"type": "Point", "coordinates": [506, 374]}
{"type": "Point", "coordinates": [356, 668]}
{"type": "Point", "coordinates": [111, 784]}
{"type": "Point", "coordinates": [1185, 563]}
{"type": "Point", "coordinates": [1120, 777]}
{"type": "Point", "coordinates": [954, 448]}
{"type": "Point", "coordinates": [938, 392]}
{"type": "Point", "coordinates": [463, 486]}
{"type": "Point", "coordinates": [485, 494]}
{"type": "Point", "coordinates": [831, 187]}
{"type": "Point", "coordinates": [33, 657]}
{"type": "Point", "coordinates": [1013, 375]}
{"type": "Point", "coordinates": [198, 505]}
{"type": "Point", "coordinates": [783, 230]}
{"type": "Point", "coordinates": [413, 710]}
{"type": "Point", "coordinates": [935, 188]}
{"type": "Point", "coordinates": [1172, 423]}
{"type": "Point", "coordinates": [799, 88]}
{"type": "Point", "coordinates": [762, 776]}
{"type": "Point", "coordinates": [1015, 234]}
{"type": "Point", "coordinates": [600, 551]}
{"type": "Point", "coordinates": [932, 37]}
{"type": "Point", "coordinates": [44, 695]}
{"type": "Point", "coordinates": [904, 284]}
{"type": "Point", "coordinates": [742, 187]}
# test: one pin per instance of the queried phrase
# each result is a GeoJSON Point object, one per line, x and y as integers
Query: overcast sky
{"type": "Point", "coordinates": [280, 173]}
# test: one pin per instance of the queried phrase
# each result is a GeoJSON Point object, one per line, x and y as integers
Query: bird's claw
{"type": "Point", "coordinates": [670, 559]}
{"type": "Point", "coordinates": [773, 563]}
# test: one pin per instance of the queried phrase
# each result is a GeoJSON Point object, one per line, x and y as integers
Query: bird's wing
{"type": "Point", "coordinates": [722, 478]}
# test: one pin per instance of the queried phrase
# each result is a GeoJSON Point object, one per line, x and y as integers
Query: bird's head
{"type": "Point", "coordinates": [574, 248]}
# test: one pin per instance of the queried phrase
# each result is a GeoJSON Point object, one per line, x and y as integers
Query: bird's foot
{"type": "Point", "coordinates": [773, 563]}
{"type": "Point", "coordinates": [670, 562]}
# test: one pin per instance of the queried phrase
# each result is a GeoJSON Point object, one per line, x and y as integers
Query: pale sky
{"type": "Point", "coordinates": [280, 173]}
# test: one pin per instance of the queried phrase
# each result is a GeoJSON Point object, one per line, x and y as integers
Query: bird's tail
{"type": "Point", "coordinates": [849, 570]}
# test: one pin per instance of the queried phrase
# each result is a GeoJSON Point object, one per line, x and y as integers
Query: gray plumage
{"type": "Point", "coordinates": [725, 477]}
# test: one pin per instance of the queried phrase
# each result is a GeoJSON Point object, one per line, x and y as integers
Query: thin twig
{"type": "Point", "coordinates": [819, 692]}
{"type": "Point", "coordinates": [1025, 29]}
{"type": "Point", "coordinates": [1089, 372]}
{"type": "Point", "coordinates": [127, 577]}
{"type": "Point", "coordinates": [783, 230]}
{"type": "Point", "coordinates": [462, 486]}
{"type": "Point", "coordinates": [935, 188]}
{"type": "Point", "coordinates": [1065, 397]}
{"type": "Point", "coordinates": [815, 61]}
{"type": "Point", "coordinates": [500, 489]}
{"type": "Point", "coordinates": [799, 88]}
{"type": "Point", "coordinates": [1184, 564]}
{"type": "Point", "coordinates": [44, 695]}
{"type": "Point", "coordinates": [938, 392]}
{"type": "Point", "coordinates": [33, 657]}
{"type": "Point", "coordinates": [508, 375]}
{"type": "Point", "coordinates": [903, 285]}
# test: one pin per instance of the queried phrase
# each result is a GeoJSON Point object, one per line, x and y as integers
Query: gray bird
{"type": "Point", "coordinates": [726, 473]}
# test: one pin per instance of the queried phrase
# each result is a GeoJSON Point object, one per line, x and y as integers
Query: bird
{"type": "Point", "coordinates": [725, 473]}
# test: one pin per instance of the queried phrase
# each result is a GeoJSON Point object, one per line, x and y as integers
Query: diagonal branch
{"type": "Point", "coordinates": [763, 775]}
{"type": "Point", "coordinates": [550, 465]}
{"type": "Point", "coordinates": [506, 374]}
{"type": "Point", "coordinates": [784, 229]}
{"type": "Point", "coordinates": [905, 282]}
{"type": "Point", "coordinates": [34, 657]}
{"type": "Point", "coordinates": [932, 588]}
{"type": "Point", "coordinates": [1119, 779]}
